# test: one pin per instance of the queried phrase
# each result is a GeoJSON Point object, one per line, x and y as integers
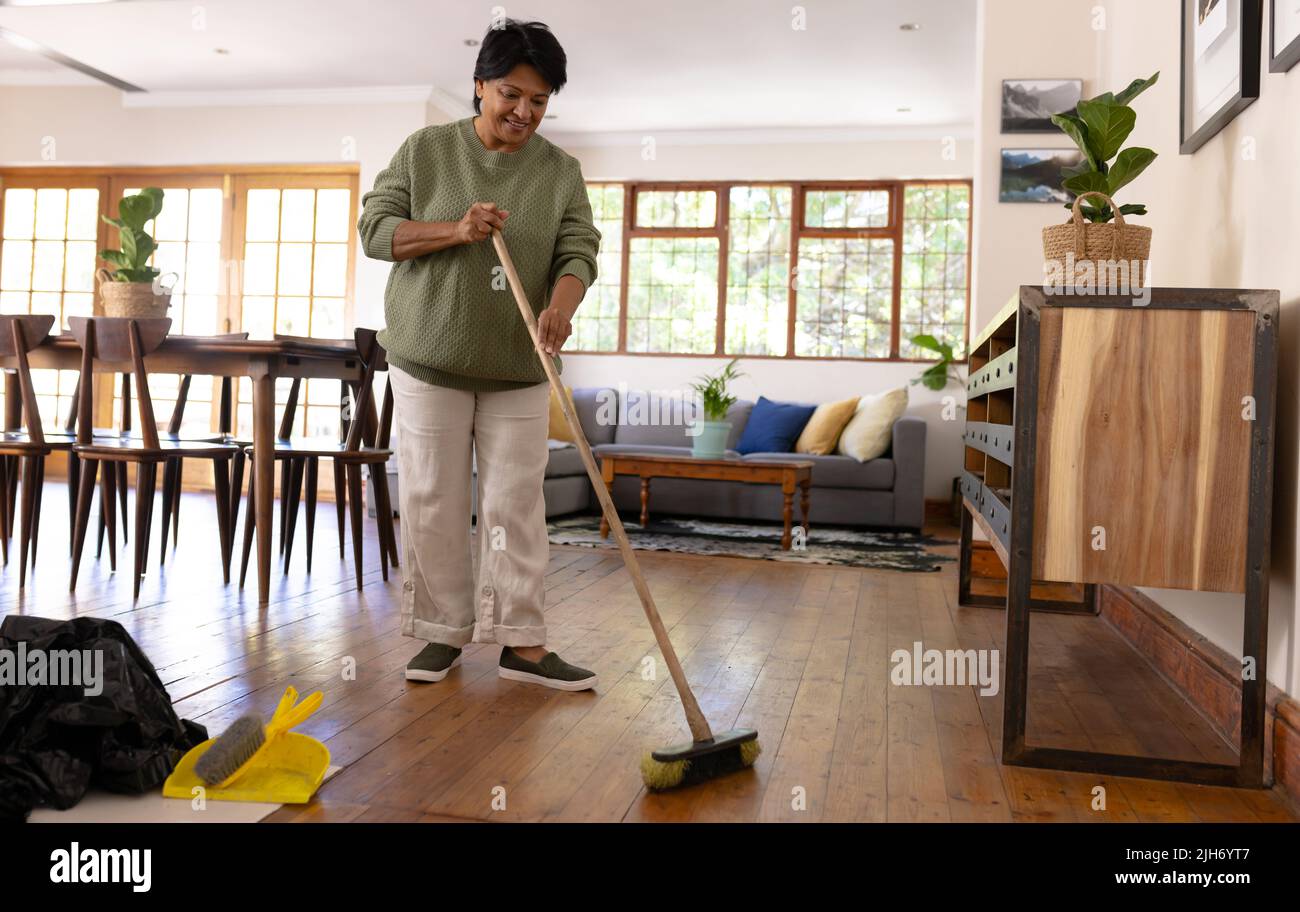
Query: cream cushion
{"type": "Point", "coordinates": [869, 431]}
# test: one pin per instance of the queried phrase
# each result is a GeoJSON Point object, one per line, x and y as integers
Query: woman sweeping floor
{"type": "Point", "coordinates": [467, 384]}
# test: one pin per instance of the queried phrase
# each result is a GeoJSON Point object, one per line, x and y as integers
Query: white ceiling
{"type": "Point", "coordinates": [633, 64]}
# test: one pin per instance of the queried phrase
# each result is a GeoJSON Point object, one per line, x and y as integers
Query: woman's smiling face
{"type": "Point", "coordinates": [513, 105]}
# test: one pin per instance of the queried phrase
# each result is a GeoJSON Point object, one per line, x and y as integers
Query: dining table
{"type": "Point", "coordinates": [263, 361]}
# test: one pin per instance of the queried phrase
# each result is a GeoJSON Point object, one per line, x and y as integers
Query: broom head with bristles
{"type": "Point", "coordinates": [700, 761]}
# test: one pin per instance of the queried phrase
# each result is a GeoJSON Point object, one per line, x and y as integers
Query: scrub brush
{"type": "Point", "coordinates": [707, 755]}
{"type": "Point", "coordinates": [232, 754]}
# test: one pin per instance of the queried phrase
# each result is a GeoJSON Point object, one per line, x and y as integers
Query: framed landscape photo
{"type": "Point", "coordinates": [1219, 69]}
{"type": "Point", "coordinates": [1034, 175]}
{"type": "Point", "coordinates": [1028, 104]}
{"type": "Point", "coordinates": [1283, 35]}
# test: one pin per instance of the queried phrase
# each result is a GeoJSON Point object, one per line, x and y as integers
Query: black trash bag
{"type": "Point", "coordinates": [57, 740]}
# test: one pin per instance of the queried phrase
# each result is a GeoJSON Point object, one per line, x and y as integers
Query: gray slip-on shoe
{"type": "Point", "coordinates": [432, 662]}
{"type": "Point", "coordinates": [552, 671]}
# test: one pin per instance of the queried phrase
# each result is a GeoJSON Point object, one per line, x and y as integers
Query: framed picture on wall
{"type": "Point", "coordinates": [1028, 104]}
{"type": "Point", "coordinates": [1283, 35]}
{"type": "Point", "coordinates": [1219, 65]}
{"type": "Point", "coordinates": [1034, 175]}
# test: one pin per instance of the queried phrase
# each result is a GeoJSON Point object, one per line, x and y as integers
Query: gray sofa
{"type": "Point", "coordinates": [888, 492]}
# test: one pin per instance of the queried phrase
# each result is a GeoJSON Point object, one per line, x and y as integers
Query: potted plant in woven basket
{"type": "Point", "coordinates": [711, 432]}
{"type": "Point", "coordinates": [1096, 242]}
{"type": "Point", "coordinates": [134, 288]}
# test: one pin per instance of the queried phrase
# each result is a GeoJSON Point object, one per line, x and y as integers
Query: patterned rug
{"type": "Point", "coordinates": [910, 552]}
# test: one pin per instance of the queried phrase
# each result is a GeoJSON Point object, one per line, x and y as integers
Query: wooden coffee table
{"type": "Point", "coordinates": [789, 475]}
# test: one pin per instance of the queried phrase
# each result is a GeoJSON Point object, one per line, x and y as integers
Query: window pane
{"type": "Point", "coordinates": [51, 213]}
{"type": "Point", "coordinates": [672, 295]}
{"type": "Point", "coordinates": [262, 220]}
{"type": "Point", "coordinates": [330, 270]}
{"type": "Point", "coordinates": [295, 269]}
{"type": "Point", "coordinates": [595, 326]}
{"type": "Point", "coordinates": [332, 222]}
{"type": "Point", "coordinates": [205, 214]}
{"type": "Point", "coordinates": [173, 221]}
{"type": "Point", "coordinates": [676, 208]}
{"type": "Point", "coordinates": [934, 279]}
{"type": "Point", "coordinates": [846, 209]}
{"type": "Point", "coordinates": [327, 318]}
{"type": "Point", "coordinates": [844, 297]}
{"type": "Point", "coordinates": [758, 270]}
{"type": "Point", "coordinates": [83, 214]}
{"type": "Point", "coordinates": [16, 265]}
{"type": "Point", "coordinates": [20, 213]}
{"type": "Point", "coordinates": [297, 215]}
{"type": "Point", "coordinates": [291, 316]}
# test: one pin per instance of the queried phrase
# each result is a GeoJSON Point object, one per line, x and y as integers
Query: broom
{"type": "Point", "coordinates": [707, 755]}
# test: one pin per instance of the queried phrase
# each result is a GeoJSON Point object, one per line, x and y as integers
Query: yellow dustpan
{"type": "Point", "coordinates": [287, 769]}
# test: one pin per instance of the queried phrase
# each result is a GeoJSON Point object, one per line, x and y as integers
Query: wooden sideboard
{"type": "Point", "coordinates": [1113, 439]}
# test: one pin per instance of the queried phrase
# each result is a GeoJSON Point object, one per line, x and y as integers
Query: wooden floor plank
{"type": "Point", "coordinates": [802, 652]}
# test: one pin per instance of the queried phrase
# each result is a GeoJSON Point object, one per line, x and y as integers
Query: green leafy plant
{"type": "Point", "coordinates": [713, 391]}
{"type": "Point", "coordinates": [942, 372]}
{"type": "Point", "coordinates": [132, 260]}
{"type": "Point", "coordinates": [1099, 129]}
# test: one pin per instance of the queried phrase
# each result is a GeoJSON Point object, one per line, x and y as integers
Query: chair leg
{"type": "Point", "coordinates": [4, 508]}
{"type": "Point", "coordinates": [145, 479]}
{"type": "Point", "coordinates": [122, 487]}
{"type": "Point", "coordinates": [340, 499]}
{"type": "Point", "coordinates": [29, 505]}
{"type": "Point", "coordinates": [286, 466]}
{"type": "Point", "coordinates": [250, 518]}
{"type": "Point", "coordinates": [313, 472]}
{"type": "Point", "coordinates": [379, 526]}
{"type": "Point", "coordinates": [36, 516]}
{"type": "Point", "coordinates": [176, 500]}
{"type": "Point", "coordinates": [74, 473]}
{"type": "Point", "coordinates": [355, 506]}
{"type": "Point", "coordinates": [169, 494]}
{"type": "Point", "coordinates": [15, 469]}
{"type": "Point", "coordinates": [236, 485]}
{"type": "Point", "coordinates": [292, 495]}
{"type": "Point", "coordinates": [107, 517]}
{"type": "Point", "coordinates": [221, 488]}
{"type": "Point", "coordinates": [384, 510]}
{"type": "Point", "coordinates": [85, 491]}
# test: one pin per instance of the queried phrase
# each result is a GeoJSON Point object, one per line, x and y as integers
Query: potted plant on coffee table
{"type": "Point", "coordinates": [711, 432]}
{"type": "Point", "coordinates": [134, 288]}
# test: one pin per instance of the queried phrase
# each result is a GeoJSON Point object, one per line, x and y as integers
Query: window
{"type": "Point", "coordinates": [266, 252]}
{"type": "Point", "coordinates": [779, 269]}
{"type": "Point", "coordinates": [48, 256]}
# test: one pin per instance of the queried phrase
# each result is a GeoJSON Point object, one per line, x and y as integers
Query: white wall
{"type": "Point", "coordinates": [1224, 217]}
{"type": "Point", "coordinates": [1019, 39]}
{"type": "Point", "coordinates": [1227, 216]}
{"type": "Point", "coordinates": [90, 126]}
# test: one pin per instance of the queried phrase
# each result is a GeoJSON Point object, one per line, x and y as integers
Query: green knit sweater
{"type": "Point", "coordinates": [450, 317]}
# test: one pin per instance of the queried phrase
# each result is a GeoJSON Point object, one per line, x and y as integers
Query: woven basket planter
{"type": "Point", "coordinates": [132, 299]}
{"type": "Point", "coordinates": [1087, 253]}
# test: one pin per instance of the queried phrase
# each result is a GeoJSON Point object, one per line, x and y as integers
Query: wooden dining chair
{"type": "Point", "coordinates": [24, 449]}
{"type": "Point", "coordinates": [366, 443]}
{"type": "Point", "coordinates": [122, 339]}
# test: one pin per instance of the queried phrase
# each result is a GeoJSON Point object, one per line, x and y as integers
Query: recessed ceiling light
{"type": "Point", "coordinates": [471, 42]}
{"type": "Point", "coordinates": [224, 52]}
{"type": "Point", "coordinates": [910, 27]}
{"type": "Point", "coordinates": [904, 110]}
{"type": "Point", "coordinates": [550, 116]}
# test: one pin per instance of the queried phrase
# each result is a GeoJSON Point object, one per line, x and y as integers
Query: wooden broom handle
{"type": "Point", "coordinates": [694, 716]}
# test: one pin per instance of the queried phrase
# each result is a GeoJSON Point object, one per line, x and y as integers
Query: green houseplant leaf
{"type": "Point", "coordinates": [1108, 126]}
{"type": "Point", "coordinates": [1077, 130]}
{"type": "Point", "coordinates": [135, 245]}
{"type": "Point", "coordinates": [1128, 165]}
{"type": "Point", "coordinates": [1099, 130]}
{"type": "Point", "coordinates": [1136, 88]}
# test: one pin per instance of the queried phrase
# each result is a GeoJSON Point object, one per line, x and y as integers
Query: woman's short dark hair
{"type": "Point", "coordinates": [511, 43]}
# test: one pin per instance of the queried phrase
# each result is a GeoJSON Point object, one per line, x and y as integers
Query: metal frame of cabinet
{"type": "Point", "coordinates": [1005, 506]}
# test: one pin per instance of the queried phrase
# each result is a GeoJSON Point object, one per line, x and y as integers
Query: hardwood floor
{"type": "Point", "coordinates": [800, 652]}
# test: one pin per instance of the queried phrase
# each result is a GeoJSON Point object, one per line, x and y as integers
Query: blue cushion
{"type": "Point", "coordinates": [773, 427]}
